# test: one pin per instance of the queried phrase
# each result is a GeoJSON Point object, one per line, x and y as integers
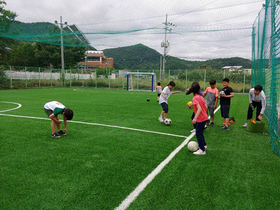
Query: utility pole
{"type": "Point", "coordinates": [165, 44]}
{"type": "Point", "coordinates": [62, 49]}
{"type": "Point", "coordinates": [160, 66]}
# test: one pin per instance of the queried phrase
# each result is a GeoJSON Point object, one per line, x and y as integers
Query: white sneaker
{"type": "Point", "coordinates": [199, 152]}
{"type": "Point", "coordinates": [205, 146]}
{"type": "Point", "coordinates": [160, 119]}
{"type": "Point", "coordinates": [193, 130]}
{"type": "Point", "coordinates": [245, 125]}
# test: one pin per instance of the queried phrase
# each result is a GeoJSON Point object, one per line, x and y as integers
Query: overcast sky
{"type": "Point", "coordinates": [200, 30]}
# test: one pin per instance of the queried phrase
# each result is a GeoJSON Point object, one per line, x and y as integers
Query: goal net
{"type": "Point", "coordinates": [140, 81]}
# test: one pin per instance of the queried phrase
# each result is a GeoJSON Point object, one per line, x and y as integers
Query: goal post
{"type": "Point", "coordinates": [140, 81]}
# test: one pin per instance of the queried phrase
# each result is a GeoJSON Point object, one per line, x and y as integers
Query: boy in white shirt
{"type": "Point", "coordinates": [53, 109]}
{"type": "Point", "coordinates": [165, 94]}
{"type": "Point", "coordinates": [256, 99]}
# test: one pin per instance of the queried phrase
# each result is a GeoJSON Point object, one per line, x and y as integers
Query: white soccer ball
{"type": "Point", "coordinates": [193, 146]}
{"type": "Point", "coordinates": [167, 121]}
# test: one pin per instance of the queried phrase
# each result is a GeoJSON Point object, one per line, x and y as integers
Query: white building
{"type": "Point", "coordinates": [233, 68]}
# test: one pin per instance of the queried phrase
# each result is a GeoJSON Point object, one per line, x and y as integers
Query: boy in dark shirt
{"type": "Point", "coordinates": [225, 95]}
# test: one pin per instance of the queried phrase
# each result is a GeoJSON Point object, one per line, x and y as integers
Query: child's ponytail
{"type": "Point", "coordinates": [195, 88]}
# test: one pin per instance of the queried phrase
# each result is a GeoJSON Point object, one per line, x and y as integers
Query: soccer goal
{"type": "Point", "coordinates": [140, 81]}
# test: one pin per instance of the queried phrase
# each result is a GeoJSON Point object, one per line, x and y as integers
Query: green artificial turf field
{"type": "Point", "coordinates": [115, 141]}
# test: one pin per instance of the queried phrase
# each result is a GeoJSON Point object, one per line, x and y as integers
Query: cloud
{"type": "Point", "coordinates": [205, 29]}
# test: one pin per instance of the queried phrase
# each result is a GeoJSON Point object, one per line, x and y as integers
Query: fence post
{"type": "Point", "coordinates": [64, 82]}
{"type": "Point", "coordinates": [11, 85]}
{"type": "Point", "coordinates": [122, 80]}
{"type": "Point", "coordinates": [244, 81]}
{"type": "Point", "coordinates": [83, 77]}
{"type": "Point", "coordinates": [137, 81]}
{"type": "Point", "coordinates": [39, 77]}
{"type": "Point", "coordinates": [70, 78]}
{"type": "Point", "coordinates": [109, 78]}
{"type": "Point", "coordinates": [64, 78]}
{"type": "Point", "coordinates": [51, 77]}
{"type": "Point", "coordinates": [25, 77]}
{"type": "Point", "coordinates": [127, 82]}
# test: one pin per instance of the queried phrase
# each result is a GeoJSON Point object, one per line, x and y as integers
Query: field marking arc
{"type": "Point", "coordinates": [134, 194]}
{"type": "Point", "coordinates": [7, 102]}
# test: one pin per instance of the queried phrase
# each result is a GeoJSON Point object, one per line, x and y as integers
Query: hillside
{"type": "Point", "coordinates": [37, 32]}
{"type": "Point", "coordinates": [132, 57]}
{"type": "Point", "coordinates": [142, 57]}
{"type": "Point", "coordinates": [32, 28]}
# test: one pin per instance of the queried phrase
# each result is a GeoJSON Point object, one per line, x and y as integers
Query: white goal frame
{"type": "Point", "coordinates": [139, 73]}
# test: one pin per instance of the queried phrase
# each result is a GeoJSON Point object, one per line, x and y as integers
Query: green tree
{"type": "Point", "coordinates": [23, 54]}
{"type": "Point", "coordinates": [46, 55]}
{"type": "Point", "coordinates": [73, 55]}
{"type": "Point", "coordinates": [6, 18]}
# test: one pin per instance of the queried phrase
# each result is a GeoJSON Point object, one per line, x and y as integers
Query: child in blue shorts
{"type": "Point", "coordinates": [165, 94]}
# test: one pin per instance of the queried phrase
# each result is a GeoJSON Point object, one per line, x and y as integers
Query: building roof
{"type": "Point", "coordinates": [232, 67]}
{"type": "Point", "coordinates": [95, 53]}
{"type": "Point", "coordinates": [73, 30]}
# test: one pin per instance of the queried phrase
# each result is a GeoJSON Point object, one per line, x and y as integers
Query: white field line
{"type": "Point", "coordinates": [98, 124]}
{"type": "Point", "coordinates": [19, 105]}
{"type": "Point", "coordinates": [133, 195]}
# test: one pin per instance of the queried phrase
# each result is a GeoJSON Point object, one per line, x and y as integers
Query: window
{"type": "Point", "coordinates": [94, 58]}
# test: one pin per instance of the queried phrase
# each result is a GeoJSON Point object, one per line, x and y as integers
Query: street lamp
{"type": "Point", "coordinates": [61, 47]}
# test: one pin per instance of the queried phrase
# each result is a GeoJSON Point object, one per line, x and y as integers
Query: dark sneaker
{"type": "Point", "coordinates": [55, 135]}
{"type": "Point", "coordinates": [61, 133]}
{"type": "Point", "coordinates": [208, 122]}
{"type": "Point", "coordinates": [212, 124]}
{"type": "Point", "coordinates": [225, 128]}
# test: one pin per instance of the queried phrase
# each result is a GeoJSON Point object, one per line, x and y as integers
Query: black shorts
{"type": "Point", "coordinates": [225, 111]}
{"type": "Point", "coordinates": [48, 112]}
{"type": "Point", "coordinates": [158, 94]}
{"type": "Point", "coordinates": [164, 107]}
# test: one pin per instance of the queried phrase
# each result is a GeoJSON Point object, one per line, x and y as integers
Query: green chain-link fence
{"type": "Point", "coordinates": [30, 77]}
{"type": "Point", "coordinates": [266, 64]}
